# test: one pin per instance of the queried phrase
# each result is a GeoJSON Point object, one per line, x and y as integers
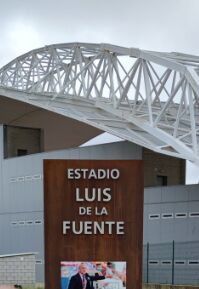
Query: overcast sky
{"type": "Point", "coordinates": [162, 25]}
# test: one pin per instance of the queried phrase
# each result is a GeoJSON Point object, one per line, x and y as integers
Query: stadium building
{"type": "Point", "coordinates": [57, 98]}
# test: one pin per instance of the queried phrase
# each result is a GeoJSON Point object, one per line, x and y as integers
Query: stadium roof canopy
{"type": "Point", "coordinates": [149, 98]}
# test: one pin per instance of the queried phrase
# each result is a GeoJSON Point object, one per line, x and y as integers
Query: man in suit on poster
{"type": "Point", "coordinates": [82, 280]}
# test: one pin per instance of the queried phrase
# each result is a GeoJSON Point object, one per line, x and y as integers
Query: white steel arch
{"type": "Point", "coordinates": [146, 97]}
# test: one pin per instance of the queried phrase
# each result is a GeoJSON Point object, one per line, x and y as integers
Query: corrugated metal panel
{"type": "Point", "coordinates": [186, 263]}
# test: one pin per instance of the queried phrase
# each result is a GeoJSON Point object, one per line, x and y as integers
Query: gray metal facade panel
{"type": "Point", "coordinates": [170, 194]}
{"type": "Point", "coordinates": [152, 226]}
{"type": "Point", "coordinates": [193, 206]}
{"type": "Point", "coordinates": [152, 195]}
{"type": "Point", "coordinates": [167, 207]}
{"type": "Point", "coordinates": [181, 193]}
{"type": "Point", "coordinates": [166, 230]}
{"type": "Point", "coordinates": [193, 193]}
{"type": "Point", "coordinates": [162, 230]}
{"type": "Point", "coordinates": [153, 208]}
{"type": "Point", "coordinates": [180, 229]}
{"type": "Point", "coordinates": [40, 272]}
{"type": "Point", "coordinates": [22, 236]}
{"type": "Point", "coordinates": [181, 207]}
{"type": "Point", "coordinates": [160, 261]}
{"type": "Point", "coordinates": [193, 229]}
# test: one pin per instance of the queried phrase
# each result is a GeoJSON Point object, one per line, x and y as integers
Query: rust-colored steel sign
{"type": "Point", "coordinates": [93, 218]}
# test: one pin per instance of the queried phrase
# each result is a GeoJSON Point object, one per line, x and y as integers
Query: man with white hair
{"type": "Point", "coordinates": [82, 280]}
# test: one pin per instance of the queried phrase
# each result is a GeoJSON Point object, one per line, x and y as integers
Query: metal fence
{"type": "Point", "coordinates": [171, 263]}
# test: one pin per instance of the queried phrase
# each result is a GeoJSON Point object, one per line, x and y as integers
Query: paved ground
{"type": "Point", "coordinates": [6, 287]}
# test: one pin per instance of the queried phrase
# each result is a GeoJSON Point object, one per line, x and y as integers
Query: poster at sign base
{"type": "Point", "coordinates": [114, 274]}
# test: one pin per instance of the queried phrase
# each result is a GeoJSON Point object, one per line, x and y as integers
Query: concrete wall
{"type": "Point", "coordinates": [60, 132]}
{"type": "Point", "coordinates": [21, 138]}
{"type": "Point", "coordinates": [159, 165]}
{"type": "Point", "coordinates": [17, 269]}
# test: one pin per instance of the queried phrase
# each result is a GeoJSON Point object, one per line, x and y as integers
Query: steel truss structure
{"type": "Point", "coordinates": [149, 98]}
